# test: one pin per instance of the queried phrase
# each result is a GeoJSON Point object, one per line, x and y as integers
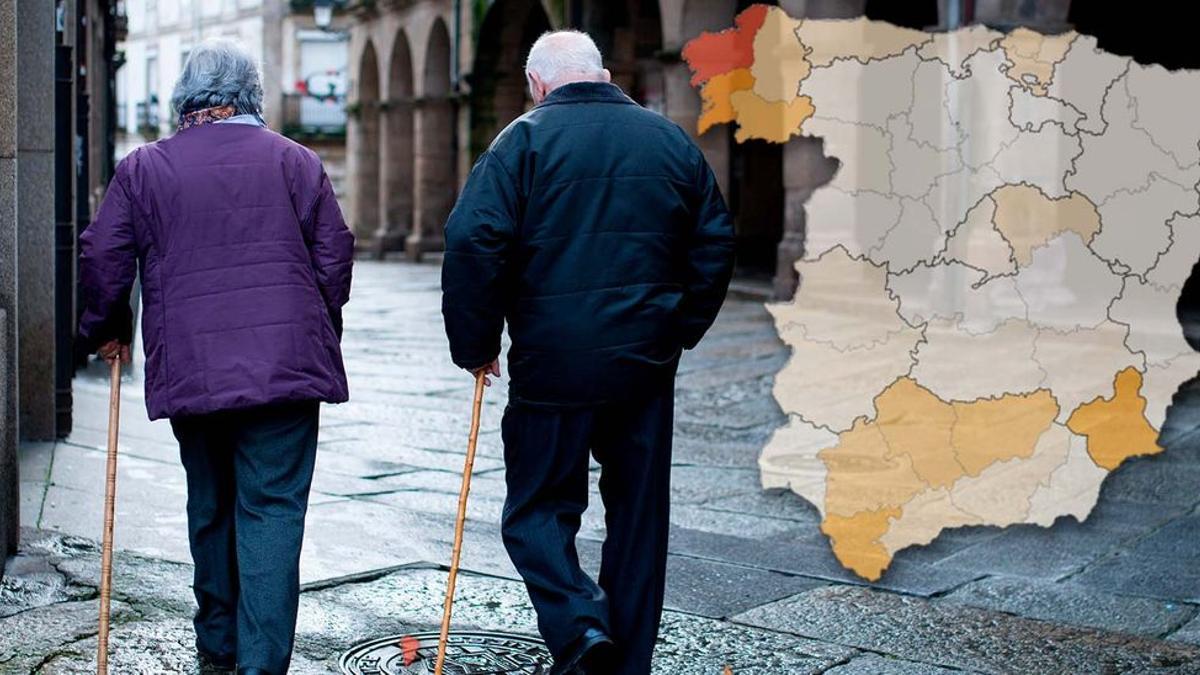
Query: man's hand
{"type": "Point", "coordinates": [492, 368]}
{"type": "Point", "coordinates": [112, 350]}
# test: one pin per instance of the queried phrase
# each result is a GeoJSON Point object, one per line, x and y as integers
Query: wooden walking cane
{"type": "Point", "coordinates": [473, 439]}
{"type": "Point", "coordinates": [110, 499]}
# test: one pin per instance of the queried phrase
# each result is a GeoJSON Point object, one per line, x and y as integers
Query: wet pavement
{"type": "Point", "coordinates": [752, 582]}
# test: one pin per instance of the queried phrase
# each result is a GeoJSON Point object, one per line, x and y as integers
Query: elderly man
{"type": "Point", "coordinates": [245, 265]}
{"type": "Point", "coordinates": [596, 229]}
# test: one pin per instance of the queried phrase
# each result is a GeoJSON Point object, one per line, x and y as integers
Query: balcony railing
{"type": "Point", "coordinates": [147, 118]}
{"type": "Point", "coordinates": [306, 116]}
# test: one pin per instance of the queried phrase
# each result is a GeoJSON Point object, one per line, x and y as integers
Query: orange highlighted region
{"type": "Point", "coordinates": [716, 93]}
{"type": "Point", "coordinates": [713, 54]}
{"type": "Point", "coordinates": [856, 540]}
{"type": "Point", "coordinates": [1117, 428]}
{"type": "Point", "coordinates": [918, 444]}
{"type": "Point", "coordinates": [774, 121]}
{"type": "Point", "coordinates": [997, 430]}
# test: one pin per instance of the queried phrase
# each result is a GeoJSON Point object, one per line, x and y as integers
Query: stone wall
{"type": "Point", "coordinates": [8, 278]}
{"type": "Point", "coordinates": [35, 217]}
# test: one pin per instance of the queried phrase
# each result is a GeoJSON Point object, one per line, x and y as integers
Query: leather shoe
{"type": "Point", "coordinates": [208, 664]}
{"type": "Point", "coordinates": [594, 656]}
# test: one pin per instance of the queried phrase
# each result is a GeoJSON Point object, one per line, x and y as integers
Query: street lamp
{"type": "Point", "coordinates": [323, 13]}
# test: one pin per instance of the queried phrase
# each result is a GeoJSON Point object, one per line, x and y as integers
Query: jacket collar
{"type": "Point", "coordinates": [586, 92]}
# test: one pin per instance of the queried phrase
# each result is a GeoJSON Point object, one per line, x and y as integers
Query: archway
{"type": "Point", "coordinates": [498, 88]}
{"type": "Point", "coordinates": [435, 146]}
{"type": "Point", "coordinates": [364, 148]}
{"type": "Point", "coordinates": [397, 159]}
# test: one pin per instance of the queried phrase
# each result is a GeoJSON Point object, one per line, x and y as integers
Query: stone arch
{"type": "Point", "coordinates": [363, 145]}
{"type": "Point", "coordinates": [434, 126]}
{"type": "Point", "coordinates": [397, 159]}
{"type": "Point", "coordinates": [498, 88]}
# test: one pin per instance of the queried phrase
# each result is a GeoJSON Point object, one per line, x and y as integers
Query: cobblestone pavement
{"type": "Point", "coordinates": [752, 582]}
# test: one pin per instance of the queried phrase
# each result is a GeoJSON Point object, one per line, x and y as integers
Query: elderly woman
{"type": "Point", "coordinates": [245, 265]}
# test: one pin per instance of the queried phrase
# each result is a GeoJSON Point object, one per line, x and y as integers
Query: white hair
{"type": "Point", "coordinates": [218, 72]}
{"type": "Point", "coordinates": [565, 53]}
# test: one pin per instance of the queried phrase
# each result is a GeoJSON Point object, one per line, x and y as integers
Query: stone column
{"type": "Point", "coordinates": [35, 216]}
{"type": "Point", "coordinates": [435, 183]}
{"type": "Point", "coordinates": [682, 106]}
{"type": "Point", "coordinates": [273, 17]}
{"type": "Point", "coordinates": [805, 168]}
{"type": "Point", "coordinates": [362, 163]}
{"type": "Point", "coordinates": [9, 501]}
{"type": "Point", "coordinates": [396, 167]}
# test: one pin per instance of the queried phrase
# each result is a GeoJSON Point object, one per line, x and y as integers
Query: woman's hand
{"type": "Point", "coordinates": [112, 350]}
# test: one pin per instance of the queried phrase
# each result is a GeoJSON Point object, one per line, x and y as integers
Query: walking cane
{"type": "Point", "coordinates": [461, 521]}
{"type": "Point", "coordinates": [110, 497]}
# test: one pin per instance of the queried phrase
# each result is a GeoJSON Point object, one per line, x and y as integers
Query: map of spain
{"type": "Point", "coordinates": [985, 325]}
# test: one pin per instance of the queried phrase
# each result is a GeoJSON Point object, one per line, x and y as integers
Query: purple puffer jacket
{"type": "Point", "coordinates": [245, 265]}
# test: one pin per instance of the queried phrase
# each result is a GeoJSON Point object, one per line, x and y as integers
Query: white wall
{"type": "Point", "coordinates": [164, 30]}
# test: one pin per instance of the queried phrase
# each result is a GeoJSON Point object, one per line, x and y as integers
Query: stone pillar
{"type": "Point", "coordinates": [396, 166]}
{"type": "Point", "coordinates": [805, 168]}
{"type": "Point", "coordinates": [273, 17]}
{"type": "Point", "coordinates": [682, 106]}
{"type": "Point", "coordinates": [362, 163]}
{"type": "Point", "coordinates": [435, 177]}
{"type": "Point", "coordinates": [35, 217]}
{"type": "Point", "coordinates": [9, 501]}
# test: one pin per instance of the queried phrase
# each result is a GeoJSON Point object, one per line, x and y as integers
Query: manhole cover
{"type": "Point", "coordinates": [467, 653]}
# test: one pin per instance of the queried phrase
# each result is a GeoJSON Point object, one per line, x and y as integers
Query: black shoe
{"type": "Point", "coordinates": [599, 659]}
{"type": "Point", "coordinates": [252, 671]}
{"type": "Point", "coordinates": [212, 665]}
{"type": "Point", "coordinates": [593, 656]}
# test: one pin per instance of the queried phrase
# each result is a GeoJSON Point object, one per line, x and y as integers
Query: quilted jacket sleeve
{"type": "Point", "coordinates": [709, 259]}
{"type": "Point", "coordinates": [108, 267]}
{"type": "Point", "coordinates": [479, 236]}
{"type": "Point", "coordinates": [331, 246]}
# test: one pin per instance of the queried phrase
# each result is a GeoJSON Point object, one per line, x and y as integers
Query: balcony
{"type": "Point", "coordinates": [308, 117]}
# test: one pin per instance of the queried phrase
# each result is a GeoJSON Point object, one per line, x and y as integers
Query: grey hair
{"type": "Point", "coordinates": [218, 73]}
{"type": "Point", "coordinates": [564, 53]}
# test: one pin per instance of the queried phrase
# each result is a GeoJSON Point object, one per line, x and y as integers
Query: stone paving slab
{"type": "Point", "coordinates": [813, 561]}
{"type": "Point", "coordinates": [1177, 539]}
{"type": "Point", "coordinates": [709, 588]}
{"type": "Point", "coordinates": [1149, 576]}
{"type": "Point", "coordinates": [955, 636]}
{"type": "Point", "coordinates": [1189, 632]}
{"type": "Point", "coordinates": [1037, 552]}
{"type": "Point", "coordinates": [873, 664]}
{"type": "Point", "coordinates": [1073, 605]}
{"type": "Point", "coordinates": [1149, 482]}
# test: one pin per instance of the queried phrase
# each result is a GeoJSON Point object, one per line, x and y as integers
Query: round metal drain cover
{"type": "Point", "coordinates": [467, 653]}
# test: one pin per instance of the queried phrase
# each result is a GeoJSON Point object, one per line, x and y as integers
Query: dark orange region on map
{"type": "Point", "coordinates": [715, 53]}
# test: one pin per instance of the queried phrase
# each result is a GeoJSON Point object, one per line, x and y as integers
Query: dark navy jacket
{"type": "Point", "coordinates": [596, 229]}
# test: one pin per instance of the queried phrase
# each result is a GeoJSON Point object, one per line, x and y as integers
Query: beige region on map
{"type": "Point", "coordinates": [1034, 57]}
{"type": "Point", "coordinates": [1027, 218]}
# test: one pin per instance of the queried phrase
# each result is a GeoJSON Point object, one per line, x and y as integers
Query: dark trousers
{"type": "Point", "coordinates": [248, 476]}
{"type": "Point", "coordinates": [546, 458]}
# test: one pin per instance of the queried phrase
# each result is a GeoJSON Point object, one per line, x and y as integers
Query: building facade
{"type": "Point", "coordinates": [304, 67]}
